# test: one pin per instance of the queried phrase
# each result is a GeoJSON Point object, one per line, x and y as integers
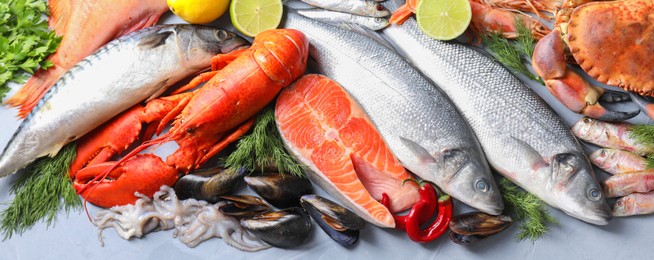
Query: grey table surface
{"type": "Point", "coordinates": [73, 236]}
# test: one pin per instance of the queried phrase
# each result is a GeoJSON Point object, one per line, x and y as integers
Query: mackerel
{"type": "Point", "coordinates": [418, 122]}
{"type": "Point", "coordinates": [524, 140]}
{"type": "Point", "coordinates": [119, 75]}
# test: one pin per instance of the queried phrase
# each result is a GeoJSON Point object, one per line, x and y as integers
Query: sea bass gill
{"type": "Point", "coordinates": [418, 122]}
{"type": "Point", "coordinates": [117, 76]}
{"type": "Point", "coordinates": [522, 137]}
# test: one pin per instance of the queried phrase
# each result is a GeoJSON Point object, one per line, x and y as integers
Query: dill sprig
{"type": "Point", "coordinates": [263, 147]}
{"type": "Point", "coordinates": [513, 55]}
{"type": "Point", "coordinates": [508, 54]}
{"type": "Point", "coordinates": [40, 192]}
{"type": "Point", "coordinates": [524, 38]}
{"type": "Point", "coordinates": [528, 209]}
{"type": "Point", "coordinates": [644, 135]}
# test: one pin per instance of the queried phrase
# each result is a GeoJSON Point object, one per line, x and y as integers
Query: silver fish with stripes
{"type": "Point", "coordinates": [119, 75]}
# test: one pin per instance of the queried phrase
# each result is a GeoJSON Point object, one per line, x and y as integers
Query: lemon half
{"type": "Point", "coordinates": [198, 11]}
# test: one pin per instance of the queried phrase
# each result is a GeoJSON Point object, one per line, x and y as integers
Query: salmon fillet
{"type": "Point", "coordinates": [328, 131]}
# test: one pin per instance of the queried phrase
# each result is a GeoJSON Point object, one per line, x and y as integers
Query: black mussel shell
{"type": "Point", "coordinates": [464, 239]}
{"type": "Point", "coordinates": [243, 206]}
{"type": "Point", "coordinates": [208, 184]}
{"type": "Point", "coordinates": [332, 210]}
{"type": "Point", "coordinates": [280, 190]}
{"type": "Point", "coordinates": [341, 224]}
{"type": "Point", "coordinates": [285, 228]}
{"type": "Point", "coordinates": [479, 223]}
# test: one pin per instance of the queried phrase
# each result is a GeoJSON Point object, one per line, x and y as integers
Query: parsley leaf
{"type": "Point", "coordinates": [25, 40]}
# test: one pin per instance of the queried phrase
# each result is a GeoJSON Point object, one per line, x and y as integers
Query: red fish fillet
{"type": "Point", "coordinates": [329, 132]}
{"type": "Point", "coordinates": [85, 25]}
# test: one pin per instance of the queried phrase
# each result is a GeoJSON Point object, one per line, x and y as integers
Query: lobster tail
{"type": "Point", "coordinates": [276, 59]}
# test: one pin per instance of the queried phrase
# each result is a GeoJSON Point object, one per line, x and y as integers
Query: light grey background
{"type": "Point", "coordinates": [74, 237]}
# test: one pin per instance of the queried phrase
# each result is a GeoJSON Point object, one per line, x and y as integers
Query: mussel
{"type": "Point", "coordinates": [464, 239]}
{"type": "Point", "coordinates": [285, 228]}
{"type": "Point", "coordinates": [243, 206]}
{"type": "Point", "coordinates": [341, 224]}
{"type": "Point", "coordinates": [470, 227]}
{"type": "Point", "coordinates": [208, 184]}
{"type": "Point", "coordinates": [280, 190]}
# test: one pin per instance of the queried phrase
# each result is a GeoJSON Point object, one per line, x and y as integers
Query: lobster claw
{"type": "Point", "coordinates": [108, 140]}
{"type": "Point", "coordinates": [143, 173]}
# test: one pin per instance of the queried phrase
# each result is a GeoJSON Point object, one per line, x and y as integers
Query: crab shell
{"type": "Point", "coordinates": [614, 43]}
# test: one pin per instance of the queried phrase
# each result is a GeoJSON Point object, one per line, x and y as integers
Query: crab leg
{"type": "Point", "coordinates": [577, 94]}
{"type": "Point", "coordinates": [645, 105]}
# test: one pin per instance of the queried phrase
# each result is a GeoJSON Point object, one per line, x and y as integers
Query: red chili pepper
{"type": "Point", "coordinates": [435, 229]}
{"type": "Point", "coordinates": [427, 196]}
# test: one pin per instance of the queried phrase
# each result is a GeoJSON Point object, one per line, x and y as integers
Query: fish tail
{"type": "Point", "coordinates": [33, 90]}
{"type": "Point", "coordinates": [60, 13]}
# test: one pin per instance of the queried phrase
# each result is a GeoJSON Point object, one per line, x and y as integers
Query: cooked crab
{"type": "Point", "coordinates": [611, 41]}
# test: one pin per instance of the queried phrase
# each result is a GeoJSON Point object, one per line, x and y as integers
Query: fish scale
{"type": "Point", "coordinates": [418, 122]}
{"type": "Point", "coordinates": [522, 137]}
{"type": "Point", "coordinates": [112, 79]}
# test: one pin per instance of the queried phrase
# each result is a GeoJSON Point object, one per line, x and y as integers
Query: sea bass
{"type": "Point", "coordinates": [85, 25]}
{"type": "Point", "coordinates": [522, 137]}
{"type": "Point", "coordinates": [119, 75]}
{"type": "Point", "coordinates": [418, 122]}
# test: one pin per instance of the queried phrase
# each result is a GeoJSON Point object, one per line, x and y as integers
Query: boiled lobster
{"type": "Point", "coordinates": [206, 120]}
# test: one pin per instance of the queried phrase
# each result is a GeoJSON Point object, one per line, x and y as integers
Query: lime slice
{"type": "Point", "coordinates": [251, 17]}
{"type": "Point", "coordinates": [443, 19]}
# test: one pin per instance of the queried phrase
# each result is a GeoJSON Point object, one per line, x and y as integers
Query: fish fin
{"type": "Point", "coordinates": [141, 24]}
{"type": "Point", "coordinates": [565, 167]}
{"type": "Point", "coordinates": [162, 87]}
{"type": "Point", "coordinates": [155, 40]}
{"type": "Point", "coordinates": [422, 153]}
{"type": "Point", "coordinates": [533, 158]}
{"type": "Point", "coordinates": [54, 150]}
{"type": "Point", "coordinates": [360, 29]}
{"type": "Point", "coordinates": [60, 13]}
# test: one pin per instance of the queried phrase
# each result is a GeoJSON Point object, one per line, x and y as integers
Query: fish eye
{"type": "Point", "coordinates": [379, 7]}
{"type": "Point", "coordinates": [379, 19]}
{"type": "Point", "coordinates": [222, 35]}
{"type": "Point", "coordinates": [603, 153]}
{"type": "Point", "coordinates": [588, 120]}
{"type": "Point", "coordinates": [482, 185]}
{"type": "Point", "coordinates": [594, 194]}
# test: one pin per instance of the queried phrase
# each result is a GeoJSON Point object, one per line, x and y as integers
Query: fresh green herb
{"type": "Point", "coordinates": [513, 55]}
{"type": "Point", "coordinates": [528, 209]}
{"type": "Point", "coordinates": [25, 40]}
{"type": "Point", "coordinates": [524, 38]}
{"type": "Point", "coordinates": [507, 53]}
{"type": "Point", "coordinates": [644, 134]}
{"type": "Point", "coordinates": [40, 192]}
{"type": "Point", "coordinates": [263, 147]}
